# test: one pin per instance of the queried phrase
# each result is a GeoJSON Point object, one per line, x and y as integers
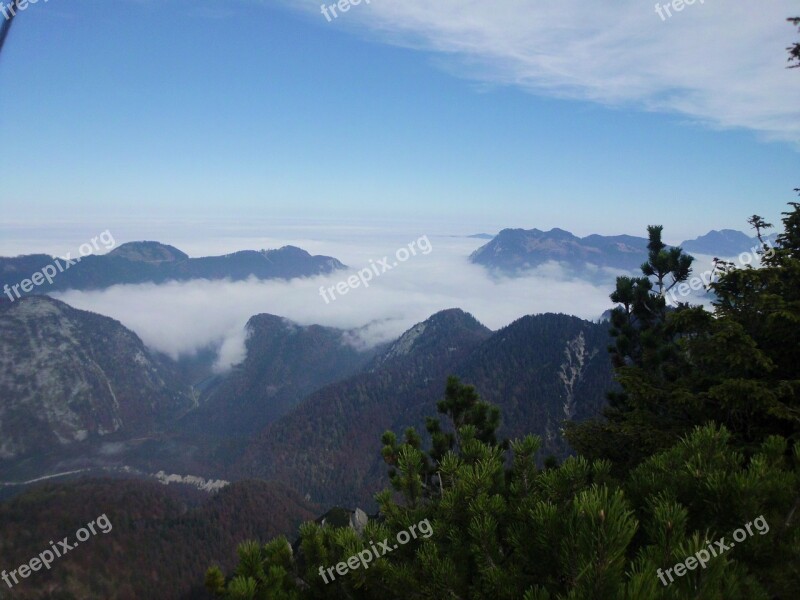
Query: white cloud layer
{"type": "Point", "coordinates": [720, 63]}
{"type": "Point", "coordinates": [182, 318]}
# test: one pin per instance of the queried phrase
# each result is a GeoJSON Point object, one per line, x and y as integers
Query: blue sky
{"type": "Point", "coordinates": [478, 115]}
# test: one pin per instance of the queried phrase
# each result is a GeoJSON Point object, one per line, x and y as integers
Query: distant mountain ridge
{"type": "Point", "coordinates": [596, 257]}
{"type": "Point", "coordinates": [514, 251]}
{"type": "Point", "coordinates": [154, 262]}
{"type": "Point", "coordinates": [725, 243]}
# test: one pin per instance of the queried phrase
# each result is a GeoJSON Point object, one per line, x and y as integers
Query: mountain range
{"type": "Point", "coordinates": [82, 392]}
{"type": "Point", "coordinates": [725, 243]}
{"type": "Point", "coordinates": [595, 257]}
{"type": "Point", "coordinates": [516, 250]}
{"type": "Point", "coordinates": [153, 262]}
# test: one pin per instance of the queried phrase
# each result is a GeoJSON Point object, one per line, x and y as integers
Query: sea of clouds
{"type": "Point", "coordinates": [182, 318]}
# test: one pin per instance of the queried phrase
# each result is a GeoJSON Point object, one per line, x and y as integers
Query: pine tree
{"type": "Point", "coordinates": [263, 573]}
{"type": "Point", "coordinates": [640, 418]}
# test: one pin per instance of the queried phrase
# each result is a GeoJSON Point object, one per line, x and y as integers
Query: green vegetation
{"type": "Point", "coordinates": [702, 440]}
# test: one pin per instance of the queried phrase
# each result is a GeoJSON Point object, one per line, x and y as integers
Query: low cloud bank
{"type": "Point", "coordinates": [181, 318]}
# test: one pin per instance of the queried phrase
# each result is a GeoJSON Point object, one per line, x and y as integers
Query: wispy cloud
{"type": "Point", "coordinates": [718, 63]}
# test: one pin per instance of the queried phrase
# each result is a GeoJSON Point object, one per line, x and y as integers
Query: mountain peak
{"type": "Point", "coordinates": [292, 251]}
{"type": "Point", "coordinates": [267, 320]}
{"type": "Point", "coordinates": [35, 307]}
{"type": "Point", "coordinates": [149, 252]}
{"type": "Point", "coordinates": [454, 317]}
{"type": "Point", "coordinates": [442, 331]}
{"type": "Point", "coordinates": [724, 242]}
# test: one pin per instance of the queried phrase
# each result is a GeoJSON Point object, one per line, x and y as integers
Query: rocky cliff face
{"type": "Point", "coordinates": [573, 370]}
{"type": "Point", "coordinates": [67, 376]}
